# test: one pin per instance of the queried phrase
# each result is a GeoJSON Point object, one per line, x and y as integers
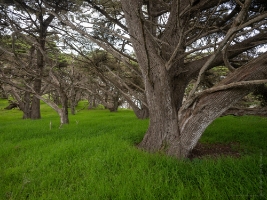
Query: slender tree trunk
{"type": "Point", "coordinates": [26, 106]}
{"type": "Point", "coordinates": [73, 104]}
{"type": "Point", "coordinates": [91, 102]}
{"type": "Point", "coordinates": [64, 115]}
{"type": "Point", "coordinates": [75, 97]}
{"type": "Point", "coordinates": [35, 103]}
{"type": "Point", "coordinates": [72, 108]}
{"type": "Point", "coordinates": [114, 103]}
{"type": "Point", "coordinates": [113, 108]}
{"type": "Point", "coordinates": [37, 85]}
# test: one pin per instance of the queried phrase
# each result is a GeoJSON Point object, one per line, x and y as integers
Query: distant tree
{"type": "Point", "coordinates": [30, 22]}
{"type": "Point", "coordinates": [17, 76]}
{"type": "Point", "coordinates": [14, 70]}
{"type": "Point", "coordinates": [113, 82]}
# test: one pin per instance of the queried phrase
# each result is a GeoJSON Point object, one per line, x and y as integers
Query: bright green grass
{"type": "Point", "coordinates": [94, 157]}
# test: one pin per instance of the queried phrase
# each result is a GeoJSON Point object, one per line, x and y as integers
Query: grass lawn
{"type": "Point", "coordinates": [94, 157]}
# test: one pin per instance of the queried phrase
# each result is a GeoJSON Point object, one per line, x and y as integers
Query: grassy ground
{"type": "Point", "coordinates": [94, 157]}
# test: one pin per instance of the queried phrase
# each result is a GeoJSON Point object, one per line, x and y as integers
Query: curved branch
{"type": "Point", "coordinates": [235, 50]}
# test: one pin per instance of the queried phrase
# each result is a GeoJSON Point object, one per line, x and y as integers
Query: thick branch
{"type": "Point", "coordinates": [203, 110]}
{"type": "Point", "coordinates": [235, 50]}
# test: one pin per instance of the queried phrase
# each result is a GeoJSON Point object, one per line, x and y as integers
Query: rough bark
{"type": "Point", "coordinates": [193, 120]}
{"type": "Point", "coordinates": [160, 86]}
{"type": "Point", "coordinates": [26, 106]}
{"type": "Point", "coordinates": [35, 106]}
{"type": "Point", "coordinates": [37, 85]}
{"type": "Point", "coordinates": [178, 135]}
{"type": "Point", "coordinates": [63, 112]}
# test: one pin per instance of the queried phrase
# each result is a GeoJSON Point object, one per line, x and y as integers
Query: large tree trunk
{"type": "Point", "coordinates": [163, 92]}
{"type": "Point", "coordinates": [194, 120]}
{"type": "Point", "coordinates": [177, 134]}
{"type": "Point", "coordinates": [37, 84]}
{"type": "Point", "coordinates": [175, 128]}
{"type": "Point", "coordinates": [163, 133]}
{"type": "Point", "coordinates": [163, 130]}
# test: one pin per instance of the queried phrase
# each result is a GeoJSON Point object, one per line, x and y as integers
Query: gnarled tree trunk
{"type": "Point", "coordinates": [175, 127]}
{"type": "Point", "coordinates": [177, 134]}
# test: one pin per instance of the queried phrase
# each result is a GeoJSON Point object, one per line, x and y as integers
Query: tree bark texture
{"type": "Point", "coordinates": [35, 102]}
{"type": "Point", "coordinates": [37, 84]}
{"type": "Point", "coordinates": [26, 106]}
{"type": "Point", "coordinates": [63, 112]}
